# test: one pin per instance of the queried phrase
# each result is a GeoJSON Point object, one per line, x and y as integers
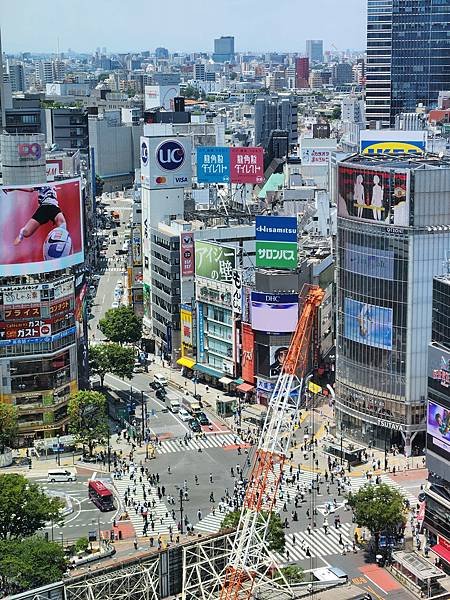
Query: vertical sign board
{"type": "Point", "coordinates": [276, 242]}
{"type": "Point", "coordinates": [186, 330]}
{"type": "Point", "coordinates": [248, 361]}
{"type": "Point", "coordinates": [236, 293]}
{"type": "Point", "coordinates": [247, 165]}
{"type": "Point", "coordinates": [213, 164]}
{"type": "Point", "coordinates": [187, 253]}
{"type": "Point", "coordinates": [201, 332]}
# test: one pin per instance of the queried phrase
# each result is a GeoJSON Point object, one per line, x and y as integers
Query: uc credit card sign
{"type": "Point", "coordinates": [213, 164]}
{"type": "Point", "coordinates": [166, 162]}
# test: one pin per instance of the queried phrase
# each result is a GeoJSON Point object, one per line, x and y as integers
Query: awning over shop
{"type": "Point", "coordinates": [184, 361]}
{"type": "Point", "coordinates": [442, 551]}
{"type": "Point", "coordinates": [225, 380]}
{"type": "Point", "coordinates": [238, 381]}
{"type": "Point", "coordinates": [245, 387]}
{"type": "Point", "coordinates": [208, 370]}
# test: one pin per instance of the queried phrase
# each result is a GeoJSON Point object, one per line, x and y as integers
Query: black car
{"type": "Point", "coordinates": [195, 426]}
{"type": "Point", "coordinates": [203, 419]}
{"type": "Point", "coordinates": [161, 394]}
{"type": "Point", "coordinates": [155, 385]}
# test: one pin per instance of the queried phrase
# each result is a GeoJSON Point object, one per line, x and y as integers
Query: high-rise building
{"type": "Point", "coordinates": [2, 92]}
{"type": "Point", "coordinates": [302, 72]}
{"type": "Point", "coordinates": [342, 74]}
{"type": "Point", "coordinates": [16, 77]}
{"type": "Point", "coordinates": [393, 237]}
{"type": "Point", "coordinates": [404, 68]}
{"type": "Point", "coordinates": [224, 49]}
{"type": "Point", "coordinates": [275, 113]}
{"type": "Point", "coordinates": [314, 51]}
{"type": "Point", "coordinates": [438, 444]}
{"type": "Point", "coordinates": [161, 54]}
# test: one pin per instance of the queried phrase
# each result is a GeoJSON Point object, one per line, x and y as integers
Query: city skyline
{"type": "Point", "coordinates": [194, 30]}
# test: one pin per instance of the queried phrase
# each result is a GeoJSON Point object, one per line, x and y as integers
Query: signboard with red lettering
{"type": "Point", "coordinates": [29, 312]}
{"type": "Point", "coordinates": [187, 253]}
{"type": "Point", "coordinates": [247, 165]}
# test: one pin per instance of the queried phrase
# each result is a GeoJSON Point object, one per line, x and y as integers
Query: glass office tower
{"type": "Point", "coordinates": [392, 239]}
{"type": "Point", "coordinates": [408, 56]}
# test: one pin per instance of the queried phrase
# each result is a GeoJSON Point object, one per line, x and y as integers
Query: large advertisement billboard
{"type": "Point", "coordinates": [439, 370]}
{"type": "Point", "coordinates": [373, 262]}
{"type": "Point", "coordinates": [276, 242]}
{"type": "Point", "coordinates": [368, 324]}
{"type": "Point", "coordinates": [41, 228]}
{"type": "Point", "coordinates": [213, 164]}
{"type": "Point", "coordinates": [166, 162]}
{"type": "Point", "coordinates": [277, 357]}
{"type": "Point", "coordinates": [248, 354]}
{"type": "Point", "coordinates": [438, 428]}
{"type": "Point", "coordinates": [392, 141]}
{"type": "Point", "coordinates": [373, 195]}
{"type": "Point", "coordinates": [247, 165]}
{"type": "Point", "coordinates": [186, 330]}
{"type": "Point", "coordinates": [274, 313]}
{"type": "Point", "coordinates": [187, 253]}
{"type": "Point", "coordinates": [214, 262]}
{"type": "Point", "coordinates": [316, 156]}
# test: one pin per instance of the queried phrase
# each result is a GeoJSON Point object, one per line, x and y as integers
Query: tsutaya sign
{"type": "Point", "coordinates": [389, 425]}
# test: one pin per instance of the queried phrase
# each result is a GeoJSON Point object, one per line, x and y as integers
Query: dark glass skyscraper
{"type": "Point", "coordinates": [408, 56]}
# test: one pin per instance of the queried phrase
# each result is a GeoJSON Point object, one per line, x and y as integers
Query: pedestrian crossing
{"type": "Point", "coordinates": [115, 269]}
{"type": "Point", "coordinates": [358, 482]}
{"type": "Point", "coordinates": [212, 522]}
{"type": "Point", "coordinates": [196, 443]}
{"type": "Point", "coordinates": [162, 516]}
{"type": "Point", "coordinates": [317, 542]}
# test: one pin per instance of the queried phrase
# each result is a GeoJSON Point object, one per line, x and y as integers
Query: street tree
{"type": "Point", "coordinates": [121, 360]}
{"type": "Point", "coordinates": [99, 361]}
{"type": "Point", "coordinates": [121, 325]}
{"type": "Point", "coordinates": [275, 533]}
{"type": "Point", "coordinates": [88, 419]}
{"type": "Point", "coordinates": [30, 563]}
{"type": "Point", "coordinates": [292, 573]}
{"type": "Point", "coordinates": [8, 425]}
{"type": "Point", "coordinates": [379, 508]}
{"type": "Point", "coordinates": [24, 507]}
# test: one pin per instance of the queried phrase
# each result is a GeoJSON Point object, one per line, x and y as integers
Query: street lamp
{"type": "Point", "coordinates": [58, 458]}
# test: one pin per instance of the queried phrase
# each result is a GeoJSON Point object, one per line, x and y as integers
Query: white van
{"type": "Point", "coordinates": [160, 378]}
{"type": "Point", "coordinates": [60, 475]}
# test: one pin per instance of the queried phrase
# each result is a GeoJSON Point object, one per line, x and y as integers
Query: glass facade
{"type": "Point", "coordinates": [408, 56]}
{"type": "Point", "coordinates": [384, 303]}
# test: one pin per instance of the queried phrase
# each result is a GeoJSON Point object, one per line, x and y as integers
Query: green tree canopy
{"type": "Point", "coordinates": [121, 325]}
{"type": "Point", "coordinates": [99, 361]}
{"type": "Point", "coordinates": [8, 425]}
{"type": "Point", "coordinates": [24, 507]}
{"type": "Point", "coordinates": [379, 508]}
{"type": "Point", "coordinates": [112, 358]}
{"type": "Point", "coordinates": [88, 418]}
{"type": "Point", "coordinates": [191, 92]}
{"type": "Point", "coordinates": [275, 534]}
{"type": "Point", "coordinates": [293, 574]}
{"type": "Point", "coordinates": [121, 360]}
{"type": "Point", "coordinates": [336, 114]}
{"type": "Point", "coordinates": [29, 563]}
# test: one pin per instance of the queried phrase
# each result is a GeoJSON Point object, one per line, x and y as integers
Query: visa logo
{"type": "Point", "coordinates": [180, 179]}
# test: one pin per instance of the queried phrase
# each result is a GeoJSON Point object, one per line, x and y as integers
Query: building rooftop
{"type": "Point", "coordinates": [401, 161]}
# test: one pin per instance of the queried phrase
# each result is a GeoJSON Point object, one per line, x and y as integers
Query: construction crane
{"type": "Point", "coordinates": [250, 564]}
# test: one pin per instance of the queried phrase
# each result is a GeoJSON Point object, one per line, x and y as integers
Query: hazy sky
{"type": "Point", "coordinates": [127, 25]}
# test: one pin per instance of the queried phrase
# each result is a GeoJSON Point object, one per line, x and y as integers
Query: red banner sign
{"type": "Point", "coordinates": [30, 312]}
{"type": "Point", "coordinates": [248, 354]}
{"type": "Point", "coordinates": [247, 165]}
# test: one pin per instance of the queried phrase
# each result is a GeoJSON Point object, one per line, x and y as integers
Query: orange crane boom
{"type": "Point", "coordinates": [250, 561]}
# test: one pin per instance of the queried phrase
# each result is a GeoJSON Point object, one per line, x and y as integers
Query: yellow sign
{"type": "Point", "coordinates": [392, 148]}
{"type": "Point", "coordinates": [186, 331]}
{"type": "Point", "coordinates": [314, 388]}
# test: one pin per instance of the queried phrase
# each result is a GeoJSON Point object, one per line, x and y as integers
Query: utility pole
{"type": "Point", "coordinates": [181, 511]}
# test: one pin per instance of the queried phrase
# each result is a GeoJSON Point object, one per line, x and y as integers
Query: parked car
{"type": "Point", "coordinates": [115, 304]}
{"type": "Point", "coordinates": [184, 415]}
{"type": "Point", "coordinates": [195, 426]}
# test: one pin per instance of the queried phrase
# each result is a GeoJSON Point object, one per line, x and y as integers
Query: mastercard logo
{"type": "Point", "coordinates": [391, 148]}
{"type": "Point", "coordinates": [160, 180]}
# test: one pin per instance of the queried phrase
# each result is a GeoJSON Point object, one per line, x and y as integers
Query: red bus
{"type": "Point", "coordinates": [100, 495]}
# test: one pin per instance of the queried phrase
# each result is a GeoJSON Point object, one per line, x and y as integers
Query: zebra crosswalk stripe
{"type": "Point", "coordinates": [211, 441]}
{"type": "Point", "coordinates": [319, 542]}
{"type": "Point", "coordinates": [159, 512]}
{"type": "Point", "coordinates": [212, 522]}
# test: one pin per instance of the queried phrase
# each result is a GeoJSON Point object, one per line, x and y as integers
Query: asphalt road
{"type": "Point", "coordinates": [85, 516]}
